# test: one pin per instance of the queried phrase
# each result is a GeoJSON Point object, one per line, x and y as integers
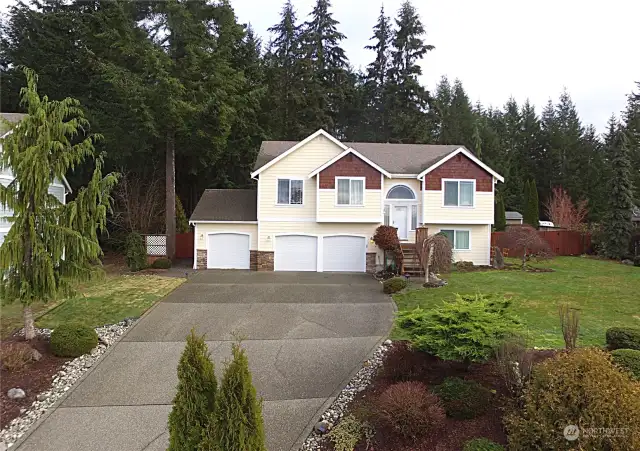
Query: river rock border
{"type": "Point", "coordinates": [63, 380]}
{"type": "Point", "coordinates": [334, 413]}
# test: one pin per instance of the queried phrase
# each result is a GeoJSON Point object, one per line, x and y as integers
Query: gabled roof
{"type": "Point", "coordinates": [345, 153]}
{"type": "Point", "coordinates": [468, 154]}
{"type": "Point", "coordinates": [513, 215]}
{"type": "Point", "coordinates": [226, 205]}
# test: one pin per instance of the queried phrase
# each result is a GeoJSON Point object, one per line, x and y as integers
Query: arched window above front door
{"type": "Point", "coordinates": [401, 192]}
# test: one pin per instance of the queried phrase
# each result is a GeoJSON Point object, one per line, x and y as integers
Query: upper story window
{"type": "Point", "coordinates": [350, 190]}
{"type": "Point", "coordinates": [290, 191]}
{"type": "Point", "coordinates": [459, 193]}
{"type": "Point", "coordinates": [401, 192]}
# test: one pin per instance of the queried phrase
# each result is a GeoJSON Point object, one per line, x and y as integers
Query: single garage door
{"type": "Point", "coordinates": [296, 253]}
{"type": "Point", "coordinates": [344, 253]}
{"type": "Point", "coordinates": [228, 251]}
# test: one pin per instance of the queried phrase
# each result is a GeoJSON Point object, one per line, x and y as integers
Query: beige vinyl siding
{"type": "Point", "coordinates": [298, 164]}
{"type": "Point", "coordinates": [328, 211]}
{"type": "Point", "coordinates": [480, 213]}
{"type": "Point", "coordinates": [203, 229]}
{"type": "Point", "coordinates": [479, 237]}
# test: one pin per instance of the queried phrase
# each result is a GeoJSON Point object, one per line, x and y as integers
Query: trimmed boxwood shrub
{"type": "Point", "coordinates": [463, 399]}
{"type": "Point", "coordinates": [581, 387]}
{"type": "Point", "coordinates": [623, 338]}
{"type": "Point", "coordinates": [394, 285]}
{"type": "Point", "coordinates": [73, 340]}
{"type": "Point", "coordinates": [629, 359]}
{"type": "Point", "coordinates": [161, 263]}
{"type": "Point", "coordinates": [482, 444]}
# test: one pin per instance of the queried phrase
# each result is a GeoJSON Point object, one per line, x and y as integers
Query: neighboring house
{"type": "Point", "coordinates": [513, 217]}
{"type": "Point", "coordinates": [58, 188]}
{"type": "Point", "coordinates": [319, 201]}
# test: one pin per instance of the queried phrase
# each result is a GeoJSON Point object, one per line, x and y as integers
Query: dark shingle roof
{"type": "Point", "coordinates": [394, 158]}
{"type": "Point", "coordinates": [226, 205]}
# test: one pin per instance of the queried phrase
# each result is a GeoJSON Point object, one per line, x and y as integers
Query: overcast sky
{"type": "Point", "coordinates": [502, 48]}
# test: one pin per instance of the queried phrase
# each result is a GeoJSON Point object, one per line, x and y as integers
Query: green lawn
{"type": "Point", "coordinates": [106, 301]}
{"type": "Point", "coordinates": [606, 293]}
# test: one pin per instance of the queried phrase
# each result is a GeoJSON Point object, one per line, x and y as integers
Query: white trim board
{"type": "Point", "coordinates": [466, 153]}
{"type": "Point", "coordinates": [221, 222]}
{"type": "Point", "coordinates": [345, 153]}
{"type": "Point", "coordinates": [296, 147]}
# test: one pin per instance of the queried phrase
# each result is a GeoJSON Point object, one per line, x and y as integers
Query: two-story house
{"type": "Point", "coordinates": [319, 201]}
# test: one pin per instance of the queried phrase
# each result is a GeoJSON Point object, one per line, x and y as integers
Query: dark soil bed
{"type": "Point", "coordinates": [402, 364]}
{"type": "Point", "coordinates": [35, 378]}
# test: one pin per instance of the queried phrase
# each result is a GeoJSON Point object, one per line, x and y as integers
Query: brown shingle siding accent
{"type": "Point", "coordinates": [459, 167]}
{"type": "Point", "coordinates": [350, 166]}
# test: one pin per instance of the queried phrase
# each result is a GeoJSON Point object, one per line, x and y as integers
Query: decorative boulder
{"type": "Point", "coordinates": [498, 258]}
{"type": "Point", "coordinates": [16, 393]}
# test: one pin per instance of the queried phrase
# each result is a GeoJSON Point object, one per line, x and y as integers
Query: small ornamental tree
{"type": "Point", "coordinates": [50, 246]}
{"type": "Point", "coordinates": [562, 211]}
{"type": "Point", "coordinates": [527, 242]}
{"type": "Point", "coordinates": [194, 403]}
{"type": "Point", "coordinates": [436, 254]}
{"type": "Point", "coordinates": [239, 411]}
{"type": "Point", "coordinates": [386, 238]}
{"type": "Point", "coordinates": [500, 219]}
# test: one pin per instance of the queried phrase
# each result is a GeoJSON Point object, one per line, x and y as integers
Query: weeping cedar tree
{"type": "Point", "coordinates": [194, 403]}
{"type": "Point", "coordinates": [50, 245]}
{"type": "Point", "coordinates": [239, 412]}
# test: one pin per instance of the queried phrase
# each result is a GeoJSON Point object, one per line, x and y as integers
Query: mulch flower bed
{"type": "Point", "coordinates": [33, 379]}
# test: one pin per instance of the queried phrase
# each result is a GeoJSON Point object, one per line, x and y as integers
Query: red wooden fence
{"type": "Point", "coordinates": [562, 242]}
{"type": "Point", "coordinates": [184, 245]}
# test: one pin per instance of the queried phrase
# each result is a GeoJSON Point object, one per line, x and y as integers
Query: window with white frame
{"type": "Point", "coordinates": [350, 191]}
{"type": "Point", "coordinates": [459, 239]}
{"type": "Point", "coordinates": [290, 191]}
{"type": "Point", "coordinates": [459, 193]}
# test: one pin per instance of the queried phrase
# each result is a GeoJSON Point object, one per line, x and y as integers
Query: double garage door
{"type": "Point", "coordinates": [340, 253]}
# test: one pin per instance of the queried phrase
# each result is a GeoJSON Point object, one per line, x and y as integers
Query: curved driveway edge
{"type": "Point", "coordinates": [306, 335]}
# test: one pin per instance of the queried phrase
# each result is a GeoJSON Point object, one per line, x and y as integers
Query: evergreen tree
{"type": "Point", "coordinates": [239, 411]}
{"type": "Point", "coordinates": [500, 215]}
{"type": "Point", "coordinates": [194, 403]}
{"type": "Point", "coordinates": [50, 246]}
{"type": "Point", "coordinates": [617, 223]}
{"type": "Point", "coordinates": [532, 209]}
{"type": "Point", "coordinates": [526, 219]}
{"type": "Point", "coordinates": [631, 117]}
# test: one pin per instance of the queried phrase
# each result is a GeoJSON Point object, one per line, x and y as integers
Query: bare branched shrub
{"type": "Point", "coordinates": [514, 363]}
{"type": "Point", "coordinates": [139, 204]}
{"type": "Point", "coordinates": [436, 254]}
{"type": "Point", "coordinates": [570, 322]}
{"type": "Point", "coordinates": [526, 242]}
{"type": "Point", "coordinates": [563, 212]}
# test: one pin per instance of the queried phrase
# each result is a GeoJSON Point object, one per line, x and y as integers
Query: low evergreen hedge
{"type": "Point", "coordinates": [161, 263]}
{"type": "Point", "coordinates": [629, 359]}
{"type": "Point", "coordinates": [73, 340]}
{"type": "Point", "coordinates": [623, 338]}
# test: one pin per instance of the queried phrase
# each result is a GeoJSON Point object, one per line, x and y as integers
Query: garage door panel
{"type": "Point", "coordinates": [296, 253]}
{"type": "Point", "coordinates": [228, 251]}
{"type": "Point", "coordinates": [344, 253]}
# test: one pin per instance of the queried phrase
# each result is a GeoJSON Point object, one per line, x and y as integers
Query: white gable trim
{"type": "Point", "coordinates": [343, 154]}
{"type": "Point", "coordinates": [469, 155]}
{"type": "Point", "coordinates": [296, 147]}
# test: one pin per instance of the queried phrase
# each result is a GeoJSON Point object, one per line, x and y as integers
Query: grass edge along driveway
{"type": "Point", "coordinates": [606, 293]}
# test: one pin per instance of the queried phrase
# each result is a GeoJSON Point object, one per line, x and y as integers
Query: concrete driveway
{"type": "Point", "coordinates": [305, 334]}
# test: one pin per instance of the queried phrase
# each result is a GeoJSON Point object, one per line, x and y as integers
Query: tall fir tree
{"type": "Point", "coordinates": [526, 195]}
{"type": "Point", "coordinates": [631, 117]}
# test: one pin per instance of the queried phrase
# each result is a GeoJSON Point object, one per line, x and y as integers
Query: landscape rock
{"type": "Point", "coordinates": [627, 262]}
{"type": "Point", "coordinates": [16, 393]}
{"type": "Point", "coordinates": [322, 427]}
{"type": "Point", "coordinates": [35, 355]}
{"type": "Point", "coordinates": [498, 258]}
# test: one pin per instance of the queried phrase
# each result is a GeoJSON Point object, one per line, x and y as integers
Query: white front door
{"type": "Point", "coordinates": [344, 253]}
{"type": "Point", "coordinates": [400, 220]}
{"type": "Point", "coordinates": [296, 253]}
{"type": "Point", "coordinates": [228, 251]}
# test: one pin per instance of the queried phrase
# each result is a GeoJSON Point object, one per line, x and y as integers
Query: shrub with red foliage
{"type": "Point", "coordinates": [526, 241]}
{"type": "Point", "coordinates": [409, 409]}
{"type": "Point", "coordinates": [386, 238]}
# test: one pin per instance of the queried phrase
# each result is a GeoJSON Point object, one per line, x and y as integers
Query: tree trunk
{"type": "Point", "coordinates": [170, 207]}
{"type": "Point", "coordinates": [29, 328]}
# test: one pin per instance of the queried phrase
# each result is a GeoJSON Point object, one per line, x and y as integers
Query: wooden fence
{"type": "Point", "coordinates": [562, 242]}
{"type": "Point", "coordinates": [184, 245]}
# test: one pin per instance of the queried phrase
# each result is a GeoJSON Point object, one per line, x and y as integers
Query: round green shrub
{"type": "Point", "coordinates": [161, 263]}
{"type": "Point", "coordinates": [623, 338]}
{"type": "Point", "coordinates": [394, 285]}
{"type": "Point", "coordinates": [581, 387]}
{"type": "Point", "coordinates": [636, 261]}
{"type": "Point", "coordinates": [482, 444]}
{"type": "Point", "coordinates": [73, 340]}
{"type": "Point", "coordinates": [135, 252]}
{"type": "Point", "coordinates": [629, 359]}
{"type": "Point", "coordinates": [463, 399]}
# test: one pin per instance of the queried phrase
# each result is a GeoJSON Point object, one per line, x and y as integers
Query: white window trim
{"type": "Point", "coordinates": [459, 180]}
{"type": "Point", "coordinates": [364, 191]}
{"type": "Point", "coordinates": [290, 179]}
{"type": "Point", "coordinates": [391, 188]}
{"type": "Point", "coordinates": [454, 239]}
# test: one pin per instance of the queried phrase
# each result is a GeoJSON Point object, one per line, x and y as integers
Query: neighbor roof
{"type": "Point", "coordinates": [513, 215]}
{"type": "Point", "coordinates": [394, 158]}
{"type": "Point", "coordinates": [12, 118]}
{"type": "Point", "coordinates": [226, 205]}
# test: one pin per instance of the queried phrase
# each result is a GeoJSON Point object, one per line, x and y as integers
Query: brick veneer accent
{"type": "Point", "coordinates": [264, 261]}
{"type": "Point", "coordinates": [350, 166]}
{"type": "Point", "coordinates": [459, 167]}
{"type": "Point", "coordinates": [201, 259]}
{"type": "Point", "coordinates": [371, 262]}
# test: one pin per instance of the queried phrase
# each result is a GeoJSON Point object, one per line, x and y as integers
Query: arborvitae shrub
{"type": "Point", "coordinates": [135, 252]}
